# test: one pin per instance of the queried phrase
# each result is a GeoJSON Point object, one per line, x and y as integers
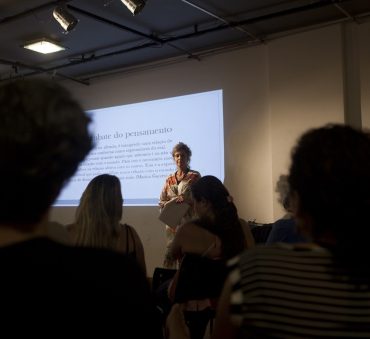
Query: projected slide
{"type": "Point", "coordinates": [134, 142]}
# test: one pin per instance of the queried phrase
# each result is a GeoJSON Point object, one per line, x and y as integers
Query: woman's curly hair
{"type": "Point", "coordinates": [330, 172]}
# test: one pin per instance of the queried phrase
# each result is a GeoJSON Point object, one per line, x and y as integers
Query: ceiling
{"type": "Point", "coordinates": [108, 38]}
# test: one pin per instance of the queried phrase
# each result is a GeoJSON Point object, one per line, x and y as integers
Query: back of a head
{"type": "Point", "coordinates": [282, 188]}
{"type": "Point", "coordinates": [227, 225]}
{"type": "Point", "coordinates": [43, 138]}
{"type": "Point", "coordinates": [100, 211]}
{"type": "Point", "coordinates": [210, 189]}
{"type": "Point", "coordinates": [330, 172]}
{"type": "Point", "coordinates": [102, 198]}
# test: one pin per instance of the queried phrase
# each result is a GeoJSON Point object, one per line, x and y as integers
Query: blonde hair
{"type": "Point", "coordinates": [99, 213]}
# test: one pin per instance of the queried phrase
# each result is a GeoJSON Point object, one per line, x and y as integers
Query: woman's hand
{"type": "Point", "coordinates": [180, 199]}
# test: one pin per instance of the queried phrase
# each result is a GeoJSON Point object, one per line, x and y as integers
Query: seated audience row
{"type": "Point", "coordinates": [314, 285]}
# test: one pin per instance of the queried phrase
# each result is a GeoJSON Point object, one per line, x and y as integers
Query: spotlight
{"type": "Point", "coordinates": [134, 6]}
{"type": "Point", "coordinates": [65, 18]}
{"type": "Point", "coordinates": [44, 46]}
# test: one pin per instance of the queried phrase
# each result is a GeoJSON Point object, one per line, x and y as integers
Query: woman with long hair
{"type": "Point", "coordinates": [98, 220]}
{"type": "Point", "coordinates": [215, 236]}
{"type": "Point", "coordinates": [217, 216]}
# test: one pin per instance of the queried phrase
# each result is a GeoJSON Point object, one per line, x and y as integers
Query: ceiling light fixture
{"type": "Point", "coordinates": [135, 6]}
{"type": "Point", "coordinates": [65, 18]}
{"type": "Point", "coordinates": [44, 46]}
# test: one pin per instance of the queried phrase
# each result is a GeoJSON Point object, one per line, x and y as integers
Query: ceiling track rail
{"type": "Point", "coordinates": [210, 52]}
{"type": "Point", "coordinates": [156, 41]}
{"type": "Point", "coordinates": [342, 10]}
{"type": "Point", "coordinates": [150, 37]}
{"type": "Point", "coordinates": [219, 18]}
{"type": "Point", "coordinates": [115, 24]}
{"type": "Point", "coordinates": [37, 70]}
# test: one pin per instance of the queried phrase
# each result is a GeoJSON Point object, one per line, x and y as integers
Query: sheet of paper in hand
{"type": "Point", "coordinates": [173, 212]}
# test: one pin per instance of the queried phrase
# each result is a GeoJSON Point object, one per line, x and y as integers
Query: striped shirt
{"type": "Point", "coordinates": [287, 291]}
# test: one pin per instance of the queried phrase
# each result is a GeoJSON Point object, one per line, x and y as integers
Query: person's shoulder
{"type": "Point", "coordinates": [171, 176]}
{"type": "Point", "coordinates": [76, 256]}
{"type": "Point", "coordinates": [284, 223]}
{"type": "Point", "coordinates": [194, 172]}
{"type": "Point", "coordinates": [280, 252]}
{"type": "Point", "coordinates": [128, 227]}
{"type": "Point", "coordinates": [193, 175]}
{"type": "Point", "coordinates": [244, 223]}
{"type": "Point", "coordinates": [194, 228]}
{"type": "Point", "coordinates": [90, 258]}
{"type": "Point", "coordinates": [186, 228]}
{"type": "Point", "coordinates": [170, 179]}
{"type": "Point", "coordinates": [67, 262]}
{"type": "Point", "coordinates": [71, 227]}
{"type": "Point", "coordinates": [38, 249]}
{"type": "Point", "coordinates": [59, 232]}
{"type": "Point", "coordinates": [106, 267]}
{"type": "Point", "coordinates": [191, 224]}
{"type": "Point", "coordinates": [123, 226]}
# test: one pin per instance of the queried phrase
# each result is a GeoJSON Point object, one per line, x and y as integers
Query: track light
{"type": "Point", "coordinates": [135, 6]}
{"type": "Point", "coordinates": [65, 18]}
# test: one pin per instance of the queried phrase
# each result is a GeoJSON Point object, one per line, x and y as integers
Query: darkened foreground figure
{"type": "Point", "coordinates": [47, 288]}
{"type": "Point", "coordinates": [319, 289]}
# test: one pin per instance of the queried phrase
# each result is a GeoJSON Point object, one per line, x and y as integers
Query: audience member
{"type": "Point", "coordinates": [98, 219]}
{"type": "Point", "coordinates": [217, 234]}
{"type": "Point", "coordinates": [319, 289]}
{"type": "Point", "coordinates": [284, 229]}
{"type": "Point", "coordinates": [48, 288]}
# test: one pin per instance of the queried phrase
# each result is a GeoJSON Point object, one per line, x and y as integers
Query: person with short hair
{"type": "Point", "coordinates": [285, 228]}
{"type": "Point", "coordinates": [177, 186]}
{"type": "Point", "coordinates": [319, 289]}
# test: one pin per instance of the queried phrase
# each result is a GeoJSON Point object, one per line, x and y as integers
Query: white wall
{"type": "Point", "coordinates": [272, 93]}
{"type": "Point", "coordinates": [305, 73]}
{"type": "Point", "coordinates": [364, 52]}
